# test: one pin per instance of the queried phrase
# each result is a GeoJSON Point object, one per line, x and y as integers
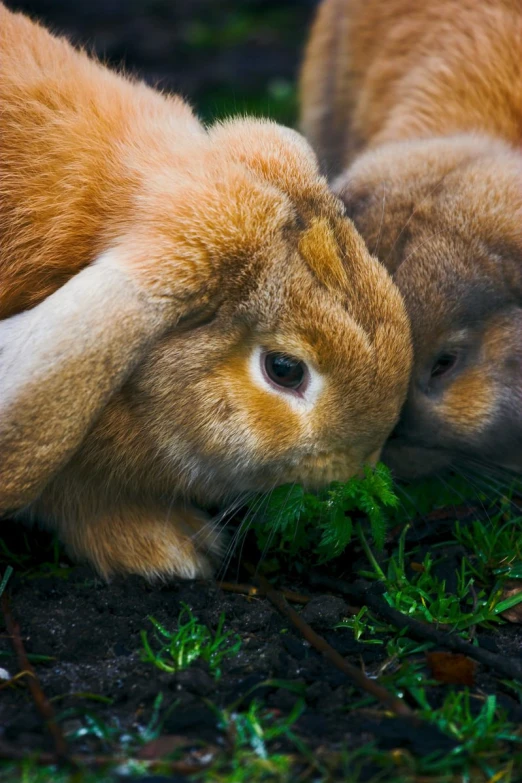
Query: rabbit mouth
{"type": "Point", "coordinates": [409, 460]}
{"type": "Point", "coordinates": [316, 471]}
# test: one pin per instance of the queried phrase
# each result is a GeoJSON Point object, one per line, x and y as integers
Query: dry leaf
{"type": "Point", "coordinates": [452, 668]}
{"type": "Point", "coordinates": [164, 746]}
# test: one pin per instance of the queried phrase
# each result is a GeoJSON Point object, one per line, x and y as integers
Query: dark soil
{"type": "Point", "coordinates": [92, 631]}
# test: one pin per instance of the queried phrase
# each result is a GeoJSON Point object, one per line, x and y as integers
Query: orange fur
{"type": "Point", "coordinates": [319, 249]}
{"type": "Point", "coordinates": [147, 266]}
{"type": "Point", "coordinates": [415, 110]}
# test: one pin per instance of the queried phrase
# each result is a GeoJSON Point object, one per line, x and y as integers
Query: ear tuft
{"type": "Point", "coordinates": [319, 248]}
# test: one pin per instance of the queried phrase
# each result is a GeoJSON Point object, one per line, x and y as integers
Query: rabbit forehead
{"type": "Point", "coordinates": [340, 332]}
{"type": "Point", "coordinates": [452, 281]}
{"type": "Point", "coordinates": [463, 186]}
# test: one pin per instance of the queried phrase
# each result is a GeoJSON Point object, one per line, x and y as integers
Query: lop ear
{"type": "Point", "coordinates": [59, 364]}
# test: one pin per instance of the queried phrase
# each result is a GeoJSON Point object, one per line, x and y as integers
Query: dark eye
{"type": "Point", "coordinates": [443, 364]}
{"type": "Point", "coordinates": [284, 370]}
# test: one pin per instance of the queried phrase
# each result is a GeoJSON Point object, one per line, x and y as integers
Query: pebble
{"type": "Point", "coordinates": [324, 611]}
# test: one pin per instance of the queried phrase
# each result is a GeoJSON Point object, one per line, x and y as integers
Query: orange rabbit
{"type": "Point", "coordinates": [187, 314]}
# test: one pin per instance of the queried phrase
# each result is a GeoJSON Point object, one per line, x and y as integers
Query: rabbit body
{"type": "Point", "coordinates": [415, 111]}
{"type": "Point", "coordinates": [187, 315]}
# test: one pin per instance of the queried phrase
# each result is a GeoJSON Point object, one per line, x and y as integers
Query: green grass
{"type": "Point", "coordinates": [250, 734]}
{"type": "Point", "coordinates": [173, 651]}
{"type": "Point", "coordinates": [495, 549]}
{"type": "Point", "coordinates": [298, 526]}
{"type": "Point", "coordinates": [318, 528]}
{"type": "Point", "coordinates": [5, 578]}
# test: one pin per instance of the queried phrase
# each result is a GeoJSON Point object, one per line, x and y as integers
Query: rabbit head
{"type": "Point", "coordinates": [445, 217]}
{"type": "Point", "coordinates": [298, 370]}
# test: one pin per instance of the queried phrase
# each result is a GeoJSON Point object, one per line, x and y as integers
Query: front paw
{"type": "Point", "coordinates": [179, 543]}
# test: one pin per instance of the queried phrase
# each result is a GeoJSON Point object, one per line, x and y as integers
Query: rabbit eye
{"type": "Point", "coordinates": [443, 364]}
{"type": "Point", "coordinates": [284, 370]}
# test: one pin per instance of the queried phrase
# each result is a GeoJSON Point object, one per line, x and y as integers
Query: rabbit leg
{"type": "Point", "coordinates": [59, 364]}
{"type": "Point", "coordinates": [154, 543]}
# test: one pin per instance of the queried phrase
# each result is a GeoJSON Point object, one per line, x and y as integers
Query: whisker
{"type": "Point", "coordinates": [493, 468]}
{"type": "Point", "coordinates": [240, 534]}
{"type": "Point", "coordinates": [463, 498]}
{"type": "Point", "coordinates": [220, 522]}
{"type": "Point", "coordinates": [399, 489]}
{"type": "Point", "coordinates": [421, 244]}
{"type": "Point", "coordinates": [489, 483]}
{"type": "Point", "coordinates": [273, 526]}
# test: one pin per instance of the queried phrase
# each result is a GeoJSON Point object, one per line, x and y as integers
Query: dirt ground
{"type": "Point", "coordinates": [91, 631]}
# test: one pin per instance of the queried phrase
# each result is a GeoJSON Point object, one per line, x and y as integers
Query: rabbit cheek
{"type": "Point", "coordinates": [469, 403]}
{"type": "Point", "coordinates": [502, 361]}
{"type": "Point", "coordinates": [480, 409]}
{"type": "Point", "coordinates": [246, 430]}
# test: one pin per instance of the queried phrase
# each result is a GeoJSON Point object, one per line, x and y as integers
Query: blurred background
{"type": "Point", "coordinates": [224, 56]}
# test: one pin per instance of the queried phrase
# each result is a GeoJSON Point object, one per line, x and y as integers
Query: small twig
{"type": "Point", "coordinates": [7, 752]}
{"type": "Point", "coordinates": [370, 595]}
{"type": "Point", "coordinates": [233, 587]}
{"type": "Point", "coordinates": [356, 675]}
{"type": "Point", "coordinates": [43, 705]}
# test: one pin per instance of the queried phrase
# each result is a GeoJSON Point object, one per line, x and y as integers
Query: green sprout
{"type": "Point", "coordinates": [110, 733]}
{"type": "Point", "coordinates": [365, 627]}
{"type": "Point", "coordinates": [477, 731]}
{"type": "Point", "coordinates": [495, 548]}
{"type": "Point", "coordinates": [485, 737]}
{"type": "Point", "coordinates": [190, 642]}
{"type": "Point", "coordinates": [5, 578]}
{"type": "Point", "coordinates": [250, 733]}
{"type": "Point", "coordinates": [257, 726]}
